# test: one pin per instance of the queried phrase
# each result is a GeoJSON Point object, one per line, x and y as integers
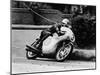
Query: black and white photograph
{"type": "Point", "coordinates": [52, 37]}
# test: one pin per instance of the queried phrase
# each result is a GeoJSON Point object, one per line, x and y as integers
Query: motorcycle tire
{"type": "Point", "coordinates": [30, 55]}
{"type": "Point", "coordinates": [60, 56]}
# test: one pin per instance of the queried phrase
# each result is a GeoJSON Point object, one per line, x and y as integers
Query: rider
{"type": "Point", "coordinates": [54, 29]}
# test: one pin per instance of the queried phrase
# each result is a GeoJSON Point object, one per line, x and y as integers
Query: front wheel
{"type": "Point", "coordinates": [64, 52]}
{"type": "Point", "coordinates": [31, 55]}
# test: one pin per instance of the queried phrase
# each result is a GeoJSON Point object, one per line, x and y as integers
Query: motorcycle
{"type": "Point", "coordinates": [58, 46]}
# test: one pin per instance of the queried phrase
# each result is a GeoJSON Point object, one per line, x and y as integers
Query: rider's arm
{"type": "Point", "coordinates": [54, 29]}
{"type": "Point", "coordinates": [58, 28]}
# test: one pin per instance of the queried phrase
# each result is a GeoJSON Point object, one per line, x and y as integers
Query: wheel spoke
{"type": "Point", "coordinates": [64, 52]}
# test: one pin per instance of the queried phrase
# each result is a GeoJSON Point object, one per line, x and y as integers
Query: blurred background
{"type": "Point", "coordinates": [82, 18]}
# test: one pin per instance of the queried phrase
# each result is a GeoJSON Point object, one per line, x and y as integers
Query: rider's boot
{"type": "Point", "coordinates": [36, 45]}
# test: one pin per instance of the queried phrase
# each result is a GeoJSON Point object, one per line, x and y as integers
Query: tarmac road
{"type": "Point", "coordinates": [20, 64]}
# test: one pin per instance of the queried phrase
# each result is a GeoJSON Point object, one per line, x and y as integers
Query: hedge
{"type": "Point", "coordinates": [85, 31]}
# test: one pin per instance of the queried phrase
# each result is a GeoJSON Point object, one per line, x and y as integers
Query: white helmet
{"type": "Point", "coordinates": [65, 21]}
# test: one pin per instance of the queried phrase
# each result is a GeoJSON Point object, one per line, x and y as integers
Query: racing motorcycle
{"type": "Point", "coordinates": [58, 46]}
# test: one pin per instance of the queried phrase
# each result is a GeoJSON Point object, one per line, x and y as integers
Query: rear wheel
{"type": "Point", "coordinates": [64, 52]}
{"type": "Point", "coordinates": [31, 55]}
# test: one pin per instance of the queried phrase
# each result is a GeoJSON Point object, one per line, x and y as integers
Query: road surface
{"type": "Point", "coordinates": [21, 65]}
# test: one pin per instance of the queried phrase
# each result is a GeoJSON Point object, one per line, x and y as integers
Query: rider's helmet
{"type": "Point", "coordinates": [65, 22]}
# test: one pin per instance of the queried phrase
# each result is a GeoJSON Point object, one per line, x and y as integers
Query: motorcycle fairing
{"type": "Point", "coordinates": [51, 43]}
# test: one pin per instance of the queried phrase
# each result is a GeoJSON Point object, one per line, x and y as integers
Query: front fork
{"type": "Point", "coordinates": [64, 43]}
